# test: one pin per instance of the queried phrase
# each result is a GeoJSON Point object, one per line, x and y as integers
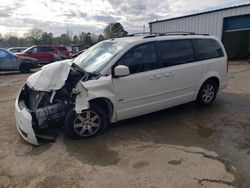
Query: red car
{"type": "Point", "coordinates": [63, 50]}
{"type": "Point", "coordinates": [46, 53]}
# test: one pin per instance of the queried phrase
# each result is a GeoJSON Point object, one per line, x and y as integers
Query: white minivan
{"type": "Point", "coordinates": [118, 79]}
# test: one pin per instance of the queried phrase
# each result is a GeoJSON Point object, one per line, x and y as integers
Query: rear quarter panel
{"type": "Point", "coordinates": [213, 68]}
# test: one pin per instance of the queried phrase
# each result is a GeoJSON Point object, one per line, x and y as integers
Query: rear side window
{"type": "Point", "coordinates": [15, 50]}
{"type": "Point", "coordinates": [46, 49]}
{"type": "Point", "coordinates": [207, 49]}
{"type": "Point", "coordinates": [176, 52]}
{"type": "Point", "coordinates": [35, 49]}
{"type": "Point", "coordinates": [140, 58]}
{"type": "Point", "coordinates": [61, 48]}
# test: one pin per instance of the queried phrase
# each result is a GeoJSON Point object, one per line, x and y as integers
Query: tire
{"type": "Point", "coordinates": [24, 68]}
{"type": "Point", "coordinates": [91, 122]}
{"type": "Point", "coordinates": [207, 93]}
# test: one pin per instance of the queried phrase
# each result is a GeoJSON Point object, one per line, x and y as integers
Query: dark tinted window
{"type": "Point", "coordinates": [15, 50]}
{"type": "Point", "coordinates": [46, 49]}
{"type": "Point", "coordinates": [35, 49]}
{"type": "Point", "coordinates": [207, 49]}
{"type": "Point", "coordinates": [140, 59]}
{"type": "Point", "coordinates": [3, 53]}
{"type": "Point", "coordinates": [61, 48]}
{"type": "Point", "coordinates": [175, 52]}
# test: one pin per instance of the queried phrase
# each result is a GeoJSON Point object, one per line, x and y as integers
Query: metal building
{"type": "Point", "coordinates": [231, 25]}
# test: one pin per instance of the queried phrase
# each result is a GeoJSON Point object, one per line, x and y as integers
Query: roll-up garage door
{"type": "Point", "coordinates": [236, 36]}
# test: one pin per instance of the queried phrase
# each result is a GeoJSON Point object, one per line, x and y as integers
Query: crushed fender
{"type": "Point", "coordinates": [48, 95]}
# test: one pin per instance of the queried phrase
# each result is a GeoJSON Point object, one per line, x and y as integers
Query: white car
{"type": "Point", "coordinates": [119, 79]}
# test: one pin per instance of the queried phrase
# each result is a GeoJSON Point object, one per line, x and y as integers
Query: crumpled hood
{"type": "Point", "coordinates": [51, 77]}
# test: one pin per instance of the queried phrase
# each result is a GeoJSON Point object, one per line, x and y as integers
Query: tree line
{"type": "Point", "coordinates": [37, 36]}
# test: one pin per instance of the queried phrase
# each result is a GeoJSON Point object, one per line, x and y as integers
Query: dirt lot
{"type": "Point", "coordinates": [185, 146]}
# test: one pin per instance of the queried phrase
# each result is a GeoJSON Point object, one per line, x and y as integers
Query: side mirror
{"type": "Point", "coordinates": [29, 52]}
{"type": "Point", "coordinates": [121, 70]}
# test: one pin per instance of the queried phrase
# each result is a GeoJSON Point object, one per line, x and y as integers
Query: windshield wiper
{"type": "Point", "coordinates": [87, 74]}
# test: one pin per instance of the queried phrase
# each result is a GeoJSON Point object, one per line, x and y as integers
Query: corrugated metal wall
{"type": "Point", "coordinates": [209, 23]}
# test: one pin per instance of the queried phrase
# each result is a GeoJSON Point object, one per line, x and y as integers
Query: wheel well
{"type": "Point", "coordinates": [105, 104]}
{"type": "Point", "coordinates": [216, 80]}
{"type": "Point", "coordinates": [25, 68]}
{"type": "Point", "coordinates": [25, 65]}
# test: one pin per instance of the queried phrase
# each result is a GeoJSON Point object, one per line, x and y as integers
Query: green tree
{"type": "Point", "coordinates": [100, 38]}
{"type": "Point", "coordinates": [88, 39]}
{"type": "Point", "coordinates": [114, 30]}
{"type": "Point", "coordinates": [64, 39]}
{"type": "Point", "coordinates": [23, 42]}
{"type": "Point", "coordinates": [82, 37]}
{"type": "Point", "coordinates": [75, 39]}
{"type": "Point", "coordinates": [13, 41]}
{"type": "Point", "coordinates": [1, 40]}
{"type": "Point", "coordinates": [34, 36]}
{"type": "Point", "coordinates": [47, 38]}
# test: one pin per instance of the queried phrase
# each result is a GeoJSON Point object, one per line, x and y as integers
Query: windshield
{"type": "Point", "coordinates": [26, 50]}
{"type": "Point", "coordinates": [97, 57]}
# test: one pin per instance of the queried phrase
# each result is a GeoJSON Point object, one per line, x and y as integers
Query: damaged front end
{"type": "Point", "coordinates": [40, 105]}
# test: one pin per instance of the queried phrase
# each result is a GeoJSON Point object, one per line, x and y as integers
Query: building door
{"type": "Point", "coordinates": [236, 36]}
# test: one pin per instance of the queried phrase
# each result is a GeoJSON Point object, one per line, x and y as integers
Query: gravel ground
{"type": "Point", "coordinates": [185, 146]}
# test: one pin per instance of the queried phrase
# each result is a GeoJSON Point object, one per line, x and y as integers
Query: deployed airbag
{"type": "Point", "coordinates": [51, 77]}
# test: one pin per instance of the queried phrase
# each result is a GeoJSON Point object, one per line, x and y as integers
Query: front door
{"type": "Point", "coordinates": [42, 54]}
{"type": "Point", "coordinates": [8, 61]}
{"type": "Point", "coordinates": [139, 92]}
{"type": "Point", "coordinates": [34, 53]}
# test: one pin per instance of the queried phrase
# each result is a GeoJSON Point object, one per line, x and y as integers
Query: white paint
{"type": "Point", "coordinates": [51, 77]}
{"type": "Point", "coordinates": [121, 70]}
{"type": "Point", "coordinates": [81, 98]}
{"type": "Point", "coordinates": [24, 123]}
{"type": "Point", "coordinates": [134, 94]}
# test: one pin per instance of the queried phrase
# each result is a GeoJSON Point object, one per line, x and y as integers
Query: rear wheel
{"type": "Point", "coordinates": [89, 123]}
{"type": "Point", "coordinates": [207, 93]}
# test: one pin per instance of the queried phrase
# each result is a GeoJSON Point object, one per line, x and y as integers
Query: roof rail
{"type": "Point", "coordinates": [151, 34]}
{"type": "Point", "coordinates": [180, 33]}
{"type": "Point", "coordinates": [135, 34]}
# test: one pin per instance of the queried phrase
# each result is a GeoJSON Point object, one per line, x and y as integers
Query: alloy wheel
{"type": "Point", "coordinates": [87, 123]}
{"type": "Point", "coordinates": [208, 93]}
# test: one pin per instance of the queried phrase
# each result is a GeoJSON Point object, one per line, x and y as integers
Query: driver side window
{"type": "Point", "coordinates": [3, 54]}
{"type": "Point", "coordinates": [140, 58]}
{"type": "Point", "coordinates": [35, 49]}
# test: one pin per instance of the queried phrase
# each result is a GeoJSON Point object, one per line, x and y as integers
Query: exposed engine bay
{"type": "Point", "coordinates": [50, 107]}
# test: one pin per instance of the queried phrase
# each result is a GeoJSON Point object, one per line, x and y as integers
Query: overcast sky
{"type": "Point", "coordinates": [57, 16]}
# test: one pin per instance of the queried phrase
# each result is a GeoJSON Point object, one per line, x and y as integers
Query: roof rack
{"type": "Point", "coordinates": [183, 33]}
{"type": "Point", "coordinates": [151, 34]}
{"type": "Point", "coordinates": [138, 34]}
{"type": "Point", "coordinates": [178, 33]}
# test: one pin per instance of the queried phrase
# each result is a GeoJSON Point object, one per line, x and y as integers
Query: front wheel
{"type": "Point", "coordinates": [89, 123]}
{"type": "Point", "coordinates": [207, 93]}
{"type": "Point", "coordinates": [24, 68]}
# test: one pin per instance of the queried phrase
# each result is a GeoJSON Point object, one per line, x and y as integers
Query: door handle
{"type": "Point", "coordinates": [154, 77]}
{"type": "Point", "coordinates": [168, 74]}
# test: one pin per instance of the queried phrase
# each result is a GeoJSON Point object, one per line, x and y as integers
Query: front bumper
{"type": "Point", "coordinates": [24, 123]}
